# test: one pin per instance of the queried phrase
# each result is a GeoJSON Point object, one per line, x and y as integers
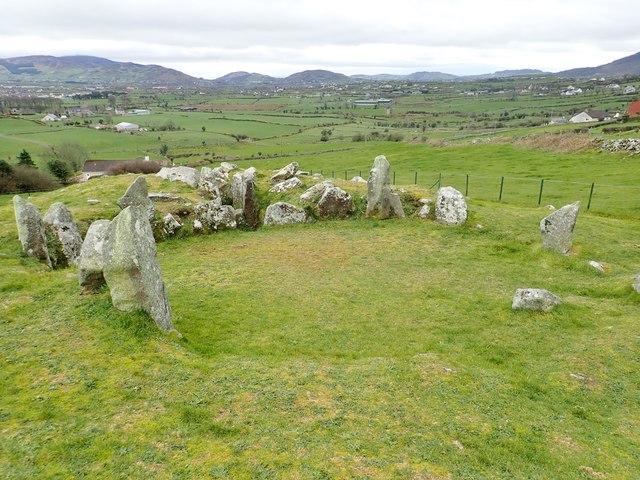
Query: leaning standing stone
{"type": "Point", "coordinates": [91, 259]}
{"type": "Point", "coordinates": [285, 173]}
{"type": "Point", "coordinates": [138, 195]}
{"type": "Point", "coordinates": [31, 230]}
{"type": "Point", "coordinates": [59, 221]}
{"type": "Point", "coordinates": [535, 299]}
{"type": "Point", "coordinates": [335, 203]}
{"type": "Point", "coordinates": [380, 199]}
{"type": "Point", "coordinates": [451, 207]}
{"type": "Point", "coordinates": [131, 269]}
{"type": "Point", "coordinates": [557, 228]}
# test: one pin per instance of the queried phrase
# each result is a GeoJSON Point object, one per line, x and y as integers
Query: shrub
{"type": "Point", "coordinates": [134, 166]}
{"type": "Point", "coordinates": [26, 179]}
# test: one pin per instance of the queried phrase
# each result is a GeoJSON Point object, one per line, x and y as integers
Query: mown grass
{"type": "Point", "coordinates": [352, 349]}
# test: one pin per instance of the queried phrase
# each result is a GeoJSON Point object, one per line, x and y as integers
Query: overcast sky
{"type": "Point", "coordinates": [279, 37]}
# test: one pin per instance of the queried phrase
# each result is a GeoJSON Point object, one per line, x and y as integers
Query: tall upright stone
{"type": "Point", "coordinates": [91, 259]}
{"type": "Point", "coordinates": [450, 207]}
{"type": "Point", "coordinates": [557, 228]}
{"type": "Point", "coordinates": [131, 268]}
{"type": "Point", "coordinates": [31, 230]}
{"type": "Point", "coordinates": [65, 237]}
{"type": "Point", "coordinates": [381, 200]}
{"type": "Point", "coordinates": [138, 195]}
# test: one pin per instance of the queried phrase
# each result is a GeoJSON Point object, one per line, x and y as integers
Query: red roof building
{"type": "Point", "coordinates": [634, 108]}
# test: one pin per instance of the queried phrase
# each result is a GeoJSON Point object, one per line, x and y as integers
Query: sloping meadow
{"type": "Point", "coordinates": [346, 349]}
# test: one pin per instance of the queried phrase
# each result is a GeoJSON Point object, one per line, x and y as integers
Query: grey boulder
{"type": "Point", "coordinates": [131, 268]}
{"type": "Point", "coordinates": [187, 175]}
{"type": "Point", "coordinates": [285, 173]}
{"type": "Point", "coordinates": [450, 207]}
{"type": "Point", "coordinates": [535, 299]}
{"type": "Point", "coordinates": [138, 195]}
{"type": "Point", "coordinates": [31, 230]}
{"type": "Point", "coordinates": [213, 216]}
{"type": "Point", "coordinates": [282, 213]}
{"type": "Point", "coordinates": [335, 203]}
{"type": "Point", "coordinates": [286, 185]}
{"type": "Point", "coordinates": [65, 240]}
{"type": "Point", "coordinates": [381, 200]}
{"type": "Point", "coordinates": [557, 228]}
{"type": "Point", "coordinates": [91, 259]}
{"type": "Point", "coordinates": [170, 224]}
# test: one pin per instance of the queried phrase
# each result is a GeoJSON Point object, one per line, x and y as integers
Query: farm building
{"type": "Point", "coordinates": [127, 127]}
{"type": "Point", "coordinates": [630, 89]}
{"type": "Point", "coordinates": [589, 116]}
{"type": "Point", "coordinates": [50, 117]}
{"type": "Point", "coordinates": [634, 108]}
{"type": "Point", "coordinates": [97, 168]}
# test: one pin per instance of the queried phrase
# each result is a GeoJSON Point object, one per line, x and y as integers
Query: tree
{"type": "Point", "coordinates": [70, 153]}
{"type": "Point", "coordinates": [5, 168]}
{"type": "Point", "coordinates": [25, 160]}
{"type": "Point", "coordinates": [59, 169]}
{"type": "Point", "coordinates": [204, 129]}
{"type": "Point", "coordinates": [164, 149]}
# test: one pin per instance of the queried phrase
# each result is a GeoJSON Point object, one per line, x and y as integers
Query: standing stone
{"type": "Point", "coordinates": [214, 183]}
{"type": "Point", "coordinates": [286, 185]}
{"type": "Point", "coordinates": [138, 195]}
{"type": "Point", "coordinates": [314, 193]}
{"type": "Point", "coordinates": [335, 203]}
{"type": "Point", "coordinates": [214, 216]}
{"type": "Point", "coordinates": [535, 299]}
{"type": "Point", "coordinates": [65, 236]}
{"type": "Point", "coordinates": [557, 228]}
{"type": "Point", "coordinates": [227, 167]}
{"type": "Point", "coordinates": [131, 269]}
{"type": "Point", "coordinates": [91, 259]}
{"type": "Point", "coordinates": [381, 199]}
{"type": "Point", "coordinates": [237, 190]}
{"type": "Point", "coordinates": [31, 230]}
{"type": "Point", "coordinates": [285, 173]}
{"type": "Point", "coordinates": [282, 213]}
{"type": "Point", "coordinates": [451, 207]}
{"type": "Point", "coordinates": [249, 204]}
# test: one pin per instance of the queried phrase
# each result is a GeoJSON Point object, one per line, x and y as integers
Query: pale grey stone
{"type": "Point", "coordinates": [596, 265]}
{"type": "Point", "coordinates": [227, 167]}
{"type": "Point", "coordinates": [67, 239]}
{"type": "Point", "coordinates": [138, 195]}
{"type": "Point", "coordinates": [450, 207]}
{"type": "Point", "coordinates": [93, 201]}
{"type": "Point", "coordinates": [91, 259]}
{"type": "Point", "coordinates": [358, 179]}
{"type": "Point", "coordinates": [285, 173]}
{"type": "Point", "coordinates": [381, 200]}
{"type": "Point", "coordinates": [163, 197]}
{"type": "Point", "coordinates": [313, 194]}
{"type": "Point", "coordinates": [282, 213]}
{"type": "Point", "coordinates": [131, 268]}
{"type": "Point", "coordinates": [535, 299]}
{"type": "Point", "coordinates": [187, 175]}
{"type": "Point", "coordinates": [244, 197]}
{"type": "Point", "coordinates": [636, 283]}
{"type": "Point", "coordinates": [286, 185]}
{"type": "Point", "coordinates": [557, 228]}
{"type": "Point", "coordinates": [424, 211]}
{"type": "Point", "coordinates": [335, 203]}
{"type": "Point", "coordinates": [31, 230]}
{"type": "Point", "coordinates": [170, 224]}
{"type": "Point", "coordinates": [214, 216]}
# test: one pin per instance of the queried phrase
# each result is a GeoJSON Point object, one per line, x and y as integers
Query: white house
{"type": "Point", "coordinates": [127, 127]}
{"type": "Point", "coordinates": [629, 89]}
{"type": "Point", "coordinates": [50, 117]}
{"type": "Point", "coordinates": [589, 116]}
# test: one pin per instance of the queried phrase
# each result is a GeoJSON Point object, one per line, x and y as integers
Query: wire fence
{"type": "Point", "coordinates": [617, 200]}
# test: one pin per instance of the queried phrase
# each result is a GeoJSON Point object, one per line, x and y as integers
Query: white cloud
{"type": "Point", "coordinates": [279, 37]}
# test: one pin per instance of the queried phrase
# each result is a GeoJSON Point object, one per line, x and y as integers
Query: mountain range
{"type": "Point", "coordinates": [82, 69]}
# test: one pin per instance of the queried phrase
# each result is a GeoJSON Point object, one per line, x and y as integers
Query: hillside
{"type": "Point", "coordinates": [88, 69]}
{"type": "Point", "coordinates": [625, 66]}
{"type": "Point", "coordinates": [244, 79]}
{"type": "Point", "coordinates": [315, 77]}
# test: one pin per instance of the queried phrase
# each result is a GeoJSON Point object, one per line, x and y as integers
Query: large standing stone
{"type": "Point", "coordinates": [213, 216]}
{"type": "Point", "coordinates": [381, 200]}
{"type": "Point", "coordinates": [285, 173]}
{"type": "Point", "coordinates": [67, 239]}
{"type": "Point", "coordinates": [557, 228]}
{"type": "Point", "coordinates": [282, 213]}
{"type": "Point", "coordinates": [31, 230]}
{"type": "Point", "coordinates": [138, 195]}
{"type": "Point", "coordinates": [244, 196]}
{"type": "Point", "coordinates": [91, 259]}
{"type": "Point", "coordinates": [451, 207]}
{"type": "Point", "coordinates": [535, 299]}
{"type": "Point", "coordinates": [335, 203]}
{"type": "Point", "coordinates": [188, 175]}
{"type": "Point", "coordinates": [131, 269]}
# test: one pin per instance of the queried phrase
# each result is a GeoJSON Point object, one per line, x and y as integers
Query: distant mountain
{"type": "Point", "coordinates": [504, 74]}
{"type": "Point", "coordinates": [430, 77]}
{"type": "Point", "coordinates": [245, 79]}
{"type": "Point", "coordinates": [316, 77]}
{"type": "Point", "coordinates": [625, 66]}
{"type": "Point", "coordinates": [88, 70]}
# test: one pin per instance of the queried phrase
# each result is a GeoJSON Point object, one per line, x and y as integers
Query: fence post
{"type": "Point", "coordinates": [415, 180]}
{"type": "Point", "coordinates": [466, 188]}
{"type": "Point", "coordinates": [439, 181]}
{"type": "Point", "coordinates": [540, 194]}
{"type": "Point", "coordinates": [321, 172]}
{"type": "Point", "coordinates": [345, 174]}
{"type": "Point", "coordinates": [593, 185]}
{"type": "Point", "coordinates": [333, 175]}
{"type": "Point", "coordinates": [394, 177]}
{"type": "Point", "coordinates": [501, 188]}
